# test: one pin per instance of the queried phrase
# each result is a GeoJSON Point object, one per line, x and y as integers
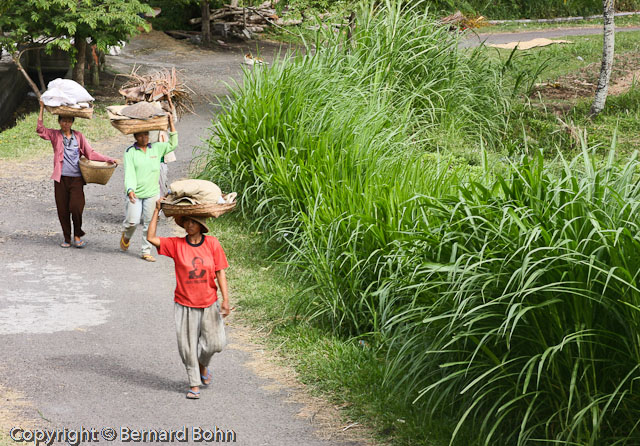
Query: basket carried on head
{"type": "Point", "coordinates": [129, 126]}
{"type": "Point", "coordinates": [207, 210]}
{"type": "Point", "coordinates": [63, 110]}
{"type": "Point", "coordinates": [97, 172]}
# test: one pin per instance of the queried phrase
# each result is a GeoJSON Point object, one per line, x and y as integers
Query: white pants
{"type": "Point", "coordinates": [200, 334]}
{"type": "Point", "coordinates": [140, 211]}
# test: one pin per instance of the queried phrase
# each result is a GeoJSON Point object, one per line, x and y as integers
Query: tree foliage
{"type": "Point", "coordinates": [56, 22]}
{"type": "Point", "coordinates": [53, 24]}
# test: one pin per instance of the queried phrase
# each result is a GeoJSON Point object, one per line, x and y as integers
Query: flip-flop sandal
{"type": "Point", "coordinates": [124, 245]}
{"type": "Point", "coordinates": [208, 376]}
{"type": "Point", "coordinates": [148, 257]}
{"type": "Point", "coordinates": [65, 245]}
{"type": "Point", "coordinates": [191, 395]}
{"type": "Point", "coordinates": [80, 244]}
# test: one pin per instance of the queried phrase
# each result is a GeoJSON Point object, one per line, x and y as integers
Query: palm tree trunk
{"type": "Point", "coordinates": [607, 58]}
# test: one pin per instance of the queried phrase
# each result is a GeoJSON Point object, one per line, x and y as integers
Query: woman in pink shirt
{"type": "Point", "coordinates": [68, 146]}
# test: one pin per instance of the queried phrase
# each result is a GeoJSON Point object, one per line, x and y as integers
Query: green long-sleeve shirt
{"type": "Point", "coordinates": [142, 169]}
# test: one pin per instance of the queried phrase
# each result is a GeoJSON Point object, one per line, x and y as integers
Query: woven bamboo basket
{"type": "Point", "coordinates": [63, 110]}
{"type": "Point", "coordinates": [97, 172]}
{"type": "Point", "coordinates": [207, 210]}
{"type": "Point", "coordinates": [130, 126]}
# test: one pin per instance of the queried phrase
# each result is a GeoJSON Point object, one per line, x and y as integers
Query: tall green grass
{"type": "Point", "coordinates": [505, 297]}
{"type": "Point", "coordinates": [327, 144]}
{"type": "Point", "coordinates": [525, 325]}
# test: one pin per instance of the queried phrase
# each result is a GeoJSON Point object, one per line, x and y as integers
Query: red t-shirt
{"type": "Point", "coordinates": [196, 267]}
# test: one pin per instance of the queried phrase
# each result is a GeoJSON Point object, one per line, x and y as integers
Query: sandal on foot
{"type": "Point", "coordinates": [65, 245]}
{"type": "Point", "coordinates": [208, 377]}
{"type": "Point", "coordinates": [124, 243]}
{"type": "Point", "coordinates": [80, 244]}
{"type": "Point", "coordinates": [193, 395]}
{"type": "Point", "coordinates": [148, 257]}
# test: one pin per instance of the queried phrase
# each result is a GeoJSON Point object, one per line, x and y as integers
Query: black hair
{"type": "Point", "coordinates": [70, 117]}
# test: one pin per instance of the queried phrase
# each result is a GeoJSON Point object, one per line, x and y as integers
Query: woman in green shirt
{"type": "Point", "coordinates": [141, 176]}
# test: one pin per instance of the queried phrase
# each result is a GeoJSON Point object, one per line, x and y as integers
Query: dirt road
{"type": "Point", "coordinates": [87, 335]}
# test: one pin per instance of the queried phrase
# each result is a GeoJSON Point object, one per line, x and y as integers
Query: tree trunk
{"type": "Point", "coordinates": [234, 3]}
{"type": "Point", "coordinates": [607, 58]}
{"type": "Point", "coordinates": [102, 61]}
{"type": "Point", "coordinates": [80, 43]}
{"type": "Point", "coordinates": [43, 87]}
{"type": "Point", "coordinates": [206, 21]}
{"type": "Point", "coordinates": [95, 71]}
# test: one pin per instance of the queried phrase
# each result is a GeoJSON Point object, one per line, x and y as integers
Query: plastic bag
{"type": "Point", "coordinates": [65, 92]}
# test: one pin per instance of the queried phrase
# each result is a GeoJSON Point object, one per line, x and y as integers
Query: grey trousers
{"type": "Point", "coordinates": [200, 334]}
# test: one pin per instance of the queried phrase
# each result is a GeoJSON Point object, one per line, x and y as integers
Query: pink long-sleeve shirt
{"type": "Point", "coordinates": [55, 136]}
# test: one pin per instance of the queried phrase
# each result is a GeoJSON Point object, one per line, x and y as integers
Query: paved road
{"type": "Point", "coordinates": [87, 336]}
{"type": "Point", "coordinates": [475, 39]}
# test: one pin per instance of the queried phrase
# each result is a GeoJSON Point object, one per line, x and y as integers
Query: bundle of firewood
{"type": "Point", "coordinates": [159, 86]}
{"type": "Point", "coordinates": [254, 19]}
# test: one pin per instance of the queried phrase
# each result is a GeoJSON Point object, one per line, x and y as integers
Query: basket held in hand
{"type": "Point", "coordinates": [98, 172]}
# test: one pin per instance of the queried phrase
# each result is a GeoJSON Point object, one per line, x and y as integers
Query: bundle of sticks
{"type": "Point", "coordinates": [251, 18]}
{"type": "Point", "coordinates": [163, 85]}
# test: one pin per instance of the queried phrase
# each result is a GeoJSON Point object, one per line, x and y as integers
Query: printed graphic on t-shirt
{"type": "Point", "coordinates": [198, 274]}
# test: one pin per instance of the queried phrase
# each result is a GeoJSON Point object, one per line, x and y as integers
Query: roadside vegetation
{"type": "Point", "coordinates": [556, 112]}
{"type": "Point", "coordinates": [22, 142]}
{"type": "Point", "coordinates": [461, 267]}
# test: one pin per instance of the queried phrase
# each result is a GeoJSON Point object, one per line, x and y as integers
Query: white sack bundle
{"type": "Point", "coordinates": [194, 192]}
{"type": "Point", "coordinates": [65, 92]}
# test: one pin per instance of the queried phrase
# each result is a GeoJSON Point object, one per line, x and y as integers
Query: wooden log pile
{"type": "Point", "coordinates": [243, 21]}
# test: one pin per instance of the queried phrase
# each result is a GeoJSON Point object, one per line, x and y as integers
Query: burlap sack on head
{"type": "Point", "coordinates": [193, 192]}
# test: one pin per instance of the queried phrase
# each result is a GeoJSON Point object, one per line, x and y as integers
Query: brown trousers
{"type": "Point", "coordinates": [69, 195]}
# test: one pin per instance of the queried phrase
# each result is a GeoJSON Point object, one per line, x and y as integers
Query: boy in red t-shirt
{"type": "Point", "coordinates": [199, 262]}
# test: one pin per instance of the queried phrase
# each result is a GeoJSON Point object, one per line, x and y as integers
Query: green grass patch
{"type": "Point", "coordinates": [346, 372]}
{"type": "Point", "coordinates": [22, 142]}
{"type": "Point", "coordinates": [560, 60]}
